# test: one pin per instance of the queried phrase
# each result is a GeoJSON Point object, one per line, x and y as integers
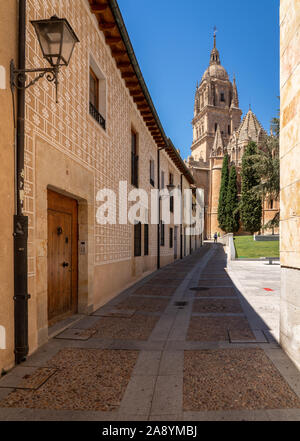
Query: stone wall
{"type": "Point", "coordinates": [290, 176]}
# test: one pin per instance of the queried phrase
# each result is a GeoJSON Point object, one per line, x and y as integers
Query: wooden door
{"type": "Point", "coordinates": [62, 256]}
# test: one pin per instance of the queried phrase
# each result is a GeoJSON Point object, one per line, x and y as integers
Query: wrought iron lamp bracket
{"type": "Point", "coordinates": [18, 77]}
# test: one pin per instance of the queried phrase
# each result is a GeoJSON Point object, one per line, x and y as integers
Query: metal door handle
{"type": "Point", "coordinates": [65, 264]}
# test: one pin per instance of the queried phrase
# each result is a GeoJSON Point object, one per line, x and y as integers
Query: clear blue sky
{"type": "Point", "coordinates": [172, 40]}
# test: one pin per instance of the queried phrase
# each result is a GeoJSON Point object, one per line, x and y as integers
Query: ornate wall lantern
{"type": "Point", "coordinates": [57, 41]}
{"type": "Point", "coordinates": [171, 187]}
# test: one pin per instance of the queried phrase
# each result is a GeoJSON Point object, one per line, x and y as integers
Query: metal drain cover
{"type": "Point", "coordinates": [199, 288]}
{"type": "Point", "coordinates": [180, 304]}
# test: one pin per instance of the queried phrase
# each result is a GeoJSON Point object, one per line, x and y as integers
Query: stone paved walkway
{"type": "Point", "coordinates": [184, 344]}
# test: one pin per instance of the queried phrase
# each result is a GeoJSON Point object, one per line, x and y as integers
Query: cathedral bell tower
{"type": "Point", "coordinates": [216, 117]}
{"type": "Point", "coordinates": [216, 104]}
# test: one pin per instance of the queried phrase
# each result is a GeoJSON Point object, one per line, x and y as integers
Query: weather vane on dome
{"type": "Point", "coordinates": [215, 34]}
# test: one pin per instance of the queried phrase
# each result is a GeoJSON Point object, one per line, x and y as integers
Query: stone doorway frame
{"type": "Point", "coordinates": [55, 170]}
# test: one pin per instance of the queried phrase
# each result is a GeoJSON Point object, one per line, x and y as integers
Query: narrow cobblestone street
{"type": "Point", "coordinates": [182, 344]}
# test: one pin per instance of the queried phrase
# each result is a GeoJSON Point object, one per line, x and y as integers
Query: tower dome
{"type": "Point", "coordinates": [215, 71]}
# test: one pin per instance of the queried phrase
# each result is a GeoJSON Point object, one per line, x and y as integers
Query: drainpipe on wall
{"type": "Point", "coordinates": [20, 221]}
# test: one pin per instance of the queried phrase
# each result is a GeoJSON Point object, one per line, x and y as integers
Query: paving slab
{"type": "Point", "coordinates": [23, 377]}
{"type": "Point", "coordinates": [284, 414]}
{"type": "Point", "coordinates": [167, 398]}
{"type": "Point", "coordinates": [76, 334]}
{"type": "Point", "coordinates": [148, 363]}
{"type": "Point", "coordinates": [138, 396]}
{"type": "Point", "coordinates": [171, 363]}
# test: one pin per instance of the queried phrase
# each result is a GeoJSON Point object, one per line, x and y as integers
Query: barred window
{"type": "Point", "coordinates": [162, 234]}
{"type": "Point", "coordinates": [137, 239]}
{"type": "Point", "coordinates": [94, 89]}
{"type": "Point", "coordinates": [171, 237]}
{"type": "Point", "coordinates": [152, 172]}
{"type": "Point", "coordinates": [162, 183]}
{"type": "Point", "coordinates": [146, 239]}
{"type": "Point", "coordinates": [97, 95]}
{"type": "Point", "coordinates": [171, 181]}
{"type": "Point", "coordinates": [134, 160]}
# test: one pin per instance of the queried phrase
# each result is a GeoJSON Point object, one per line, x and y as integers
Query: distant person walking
{"type": "Point", "coordinates": [216, 238]}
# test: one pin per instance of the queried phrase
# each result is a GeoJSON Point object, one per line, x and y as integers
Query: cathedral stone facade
{"type": "Point", "coordinates": [218, 129]}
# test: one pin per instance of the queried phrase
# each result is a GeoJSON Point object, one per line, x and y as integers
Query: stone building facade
{"type": "Point", "coordinates": [290, 177]}
{"type": "Point", "coordinates": [217, 130]}
{"type": "Point", "coordinates": [72, 152]}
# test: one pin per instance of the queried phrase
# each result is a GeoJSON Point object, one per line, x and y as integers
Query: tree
{"type": "Point", "coordinates": [267, 164]}
{"type": "Point", "coordinates": [251, 201]}
{"type": "Point", "coordinates": [232, 214]}
{"type": "Point", "coordinates": [223, 194]}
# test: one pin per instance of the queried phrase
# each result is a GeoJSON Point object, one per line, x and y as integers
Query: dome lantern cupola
{"type": "Point", "coordinates": [214, 55]}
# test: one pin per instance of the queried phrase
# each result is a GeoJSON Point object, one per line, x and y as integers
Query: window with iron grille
{"type": "Point", "coordinates": [94, 89]}
{"type": "Point", "coordinates": [162, 180]}
{"type": "Point", "coordinates": [152, 179]}
{"type": "Point", "coordinates": [171, 237]}
{"type": "Point", "coordinates": [162, 234]}
{"type": "Point", "coordinates": [137, 239]}
{"type": "Point", "coordinates": [134, 160]}
{"type": "Point", "coordinates": [146, 239]}
{"type": "Point", "coordinates": [94, 98]}
{"type": "Point", "coordinates": [171, 181]}
{"type": "Point", "coordinates": [172, 204]}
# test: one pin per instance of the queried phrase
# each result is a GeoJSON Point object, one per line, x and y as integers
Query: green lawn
{"type": "Point", "coordinates": [246, 247]}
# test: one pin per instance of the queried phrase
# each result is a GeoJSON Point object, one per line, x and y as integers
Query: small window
{"type": "Point", "coordinates": [172, 204]}
{"type": "Point", "coordinates": [137, 239]}
{"type": "Point", "coordinates": [152, 172]}
{"type": "Point", "coordinates": [146, 239]}
{"type": "Point", "coordinates": [94, 89]}
{"type": "Point", "coordinates": [216, 126]}
{"type": "Point", "coordinates": [162, 234]}
{"type": "Point", "coordinates": [162, 180]}
{"type": "Point", "coordinates": [134, 160]}
{"type": "Point", "coordinates": [271, 204]}
{"type": "Point", "coordinates": [222, 97]}
{"type": "Point", "coordinates": [171, 237]}
{"type": "Point", "coordinates": [229, 131]}
{"type": "Point", "coordinates": [171, 182]}
{"type": "Point", "coordinates": [94, 98]}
